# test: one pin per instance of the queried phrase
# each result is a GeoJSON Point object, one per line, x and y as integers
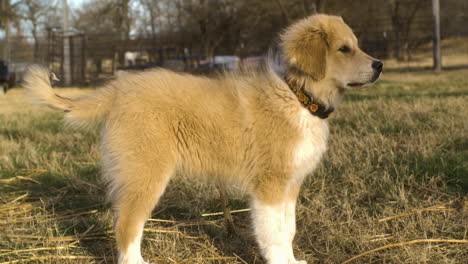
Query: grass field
{"type": "Point", "coordinates": [395, 175]}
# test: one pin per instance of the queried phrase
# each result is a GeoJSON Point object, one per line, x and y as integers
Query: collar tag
{"type": "Point", "coordinates": [314, 107]}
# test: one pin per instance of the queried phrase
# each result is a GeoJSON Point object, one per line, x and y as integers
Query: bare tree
{"type": "Point", "coordinates": [403, 14]}
{"type": "Point", "coordinates": [210, 22]}
{"type": "Point", "coordinates": [248, 27]}
{"type": "Point", "coordinates": [152, 8]}
{"type": "Point", "coordinates": [106, 17]}
{"type": "Point", "coordinates": [8, 14]}
{"type": "Point", "coordinates": [123, 22]}
{"type": "Point", "coordinates": [34, 11]}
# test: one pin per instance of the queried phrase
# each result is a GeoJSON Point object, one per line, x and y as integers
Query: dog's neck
{"type": "Point", "coordinates": [324, 93]}
{"type": "Point", "coordinates": [313, 105]}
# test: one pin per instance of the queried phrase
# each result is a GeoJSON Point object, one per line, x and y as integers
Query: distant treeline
{"type": "Point", "coordinates": [386, 28]}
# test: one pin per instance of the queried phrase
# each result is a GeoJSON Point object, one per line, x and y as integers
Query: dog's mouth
{"type": "Point", "coordinates": [355, 84]}
{"type": "Point", "coordinates": [374, 78]}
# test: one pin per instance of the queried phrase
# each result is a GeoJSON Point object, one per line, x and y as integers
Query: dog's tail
{"type": "Point", "coordinates": [80, 112]}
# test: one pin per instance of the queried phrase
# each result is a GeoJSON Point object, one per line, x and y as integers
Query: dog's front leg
{"type": "Point", "coordinates": [132, 253]}
{"type": "Point", "coordinates": [290, 219]}
{"type": "Point", "coordinates": [271, 231]}
{"type": "Point", "coordinates": [274, 225]}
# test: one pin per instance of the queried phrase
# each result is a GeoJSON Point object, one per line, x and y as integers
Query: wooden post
{"type": "Point", "coordinates": [49, 53]}
{"type": "Point", "coordinates": [83, 58]}
{"type": "Point", "coordinates": [72, 55]}
{"type": "Point", "coordinates": [436, 35]}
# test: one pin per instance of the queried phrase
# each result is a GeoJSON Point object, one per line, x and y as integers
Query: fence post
{"type": "Point", "coordinates": [83, 58]}
{"type": "Point", "coordinates": [436, 35]}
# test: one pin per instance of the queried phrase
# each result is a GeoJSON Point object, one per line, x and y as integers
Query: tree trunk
{"type": "Point", "coordinates": [6, 24]}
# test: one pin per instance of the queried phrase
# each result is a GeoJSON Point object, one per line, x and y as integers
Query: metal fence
{"type": "Point", "coordinates": [95, 57]}
{"type": "Point", "coordinates": [413, 50]}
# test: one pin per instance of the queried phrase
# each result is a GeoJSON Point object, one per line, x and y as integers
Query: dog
{"type": "Point", "coordinates": [262, 130]}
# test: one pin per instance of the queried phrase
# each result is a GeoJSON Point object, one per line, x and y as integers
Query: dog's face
{"type": "Point", "coordinates": [325, 48]}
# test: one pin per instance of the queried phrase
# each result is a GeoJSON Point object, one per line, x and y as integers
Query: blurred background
{"type": "Point", "coordinates": [85, 41]}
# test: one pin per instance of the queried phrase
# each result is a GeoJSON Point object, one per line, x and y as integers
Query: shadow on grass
{"type": "Point", "coordinates": [184, 205]}
{"type": "Point", "coordinates": [72, 206]}
{"type": "Point", "coordinates": [448, 164]}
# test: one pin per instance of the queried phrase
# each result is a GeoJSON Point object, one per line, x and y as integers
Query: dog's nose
{"type": "Point", "coordinates": [377, 65]}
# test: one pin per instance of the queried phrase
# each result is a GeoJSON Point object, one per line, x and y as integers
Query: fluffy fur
{"type": "Point", "coordinates": [247, 129]}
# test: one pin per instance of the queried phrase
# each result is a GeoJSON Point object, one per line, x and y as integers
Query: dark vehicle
{"type": "Point", "coordinates": [7, 76]}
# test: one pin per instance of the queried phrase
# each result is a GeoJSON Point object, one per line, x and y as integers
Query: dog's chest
{"type": "Point", "coordinates": [312, 144]}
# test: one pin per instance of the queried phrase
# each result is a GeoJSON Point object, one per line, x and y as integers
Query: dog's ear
{"type": "Point", "coordinates": [305, 45]}
{"type": "Point", "coordinates": [309, 53]}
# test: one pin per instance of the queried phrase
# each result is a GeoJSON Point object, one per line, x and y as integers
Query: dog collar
{"type": "Point", "coordinates": [311, 104]}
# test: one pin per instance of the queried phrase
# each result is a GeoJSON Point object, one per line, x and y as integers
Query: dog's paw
{"type": "Point", "coordinates": [132, 261]}
{"type": "Point", "coordinates": [297, 262]}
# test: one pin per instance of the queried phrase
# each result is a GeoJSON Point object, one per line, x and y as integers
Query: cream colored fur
{"type": "Point", "coordinates": [247, 129]}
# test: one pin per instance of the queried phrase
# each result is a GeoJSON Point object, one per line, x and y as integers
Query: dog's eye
{"type": "Point", "coordinates": [344, 49]}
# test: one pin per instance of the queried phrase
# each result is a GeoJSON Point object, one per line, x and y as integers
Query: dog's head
{"type": "Point", "coordinates": [325, 48]}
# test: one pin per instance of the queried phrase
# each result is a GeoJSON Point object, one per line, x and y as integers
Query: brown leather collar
{"type": "Point", "coordinates": [311, 104]}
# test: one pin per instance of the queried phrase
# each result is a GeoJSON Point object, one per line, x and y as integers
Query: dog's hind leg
{"type": "Point", "coordinates": [134, 200]}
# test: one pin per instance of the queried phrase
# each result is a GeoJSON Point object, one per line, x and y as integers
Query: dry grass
{"type": "Point", "coordinates": [390, 188]}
